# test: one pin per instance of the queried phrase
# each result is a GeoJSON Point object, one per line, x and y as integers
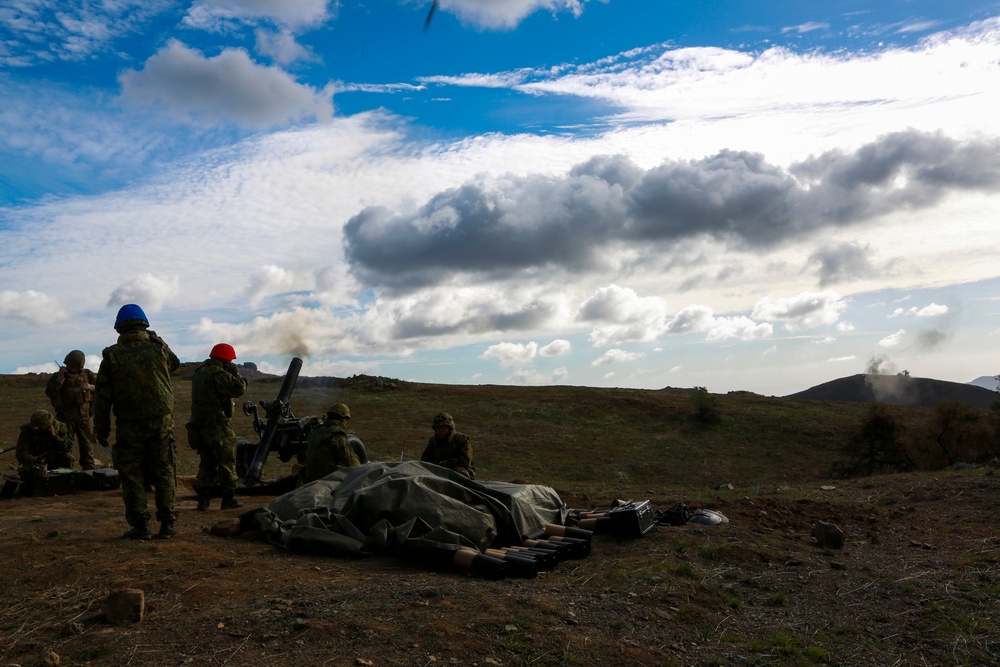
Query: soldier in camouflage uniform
{"type": "Point", "coordinates": [43, 444]}
{"type": "Point", "coordinates": [71, 391]}
{"type": "Point", "coordinates": [213, 387]}
{"type": "Point", "coordinates": [327, 449]}
{"type": "Point", "coordinates": [448, 448]}
{"type": "Point", "coordinates": [134, 381]}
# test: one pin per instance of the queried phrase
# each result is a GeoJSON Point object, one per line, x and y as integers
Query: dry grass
{"type": "Point", "coordinates": [917, 582]}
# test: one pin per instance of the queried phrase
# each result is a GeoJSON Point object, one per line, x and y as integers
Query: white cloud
{"type": "Point", "coordinates": [511, 354]}
{"type": "Point", "coordinates": [931, 310]}
{"type": "Point", "coordinates": [31, 306]}
{"type": "Point", "coordinates": [282, 47]}
{"type": "Point", "coordinates": [804, 311]}
{"type": "Point", "coordinates": [220, 15]}
{"type": "Point", "coordinates": [892, 340]}
{"type": "Point", "coordinates": [149, 292]}
{"type": "Point", "coordinates": [626, 316]}
{"type": "Point", "coordinates": [39, 31]}
{"type": "Point", "coordinates": [616, 356]}
{"type": "Point", "coordinates": [267, 280]}
{"type": "Point", "coordinates": [556, 348]}
{"type": "Point", "coordinates": [48, 368]}
{"type": "Point", "coordinates": [505, 14]}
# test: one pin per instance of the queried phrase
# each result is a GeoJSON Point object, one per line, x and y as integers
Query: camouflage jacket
{"type": "Point", "coordinates": [213, 387]}
{"type": "Point", "coordinates": [36, 448]}
{"type": "Point", "coordinates": [71, 392]}
{"type": "Point", "coordinates": [453, 452]}
{"type": "Point", "coordinates": [327, 451]}
{"type": "Point", "coordinates": [134, 380]}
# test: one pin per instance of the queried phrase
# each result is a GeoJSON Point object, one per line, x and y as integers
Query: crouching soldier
{"type": "Point", "coordinates": [449, 448]}
{"type": "Point", "coordinates": [327, 449]}
{"type": "Point", "coordinates": [43, 444]}
{"type": "Point", "coordinates": [214, 386]}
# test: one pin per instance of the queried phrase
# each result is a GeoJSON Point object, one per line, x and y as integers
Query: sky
{"type": "Point", "coordinates": [755, 196]}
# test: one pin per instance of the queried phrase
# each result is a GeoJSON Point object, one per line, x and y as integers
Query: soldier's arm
{"type": "Point", "coordinates": [345, 454]}
{"type": "Point", "coordinates": [428, 455]}
{"type": "Point", "coordinates": [173, 363]}
{"type": "Point", "coordinates": [231, 384]}
{"type": "Point", "coordinates": [63, 439]}
{"type": "Point", "coordinates": [23, 451]}
{"type": "Point", "coordinates": [464, 454]}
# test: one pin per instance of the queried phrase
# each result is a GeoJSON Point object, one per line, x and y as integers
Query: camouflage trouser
{"type": "Point", "coordinates": [217, 446]}
{"type": "Point", "coordinates": [144, 454]}
{"type": "Point", "coordinates": [83, 430]}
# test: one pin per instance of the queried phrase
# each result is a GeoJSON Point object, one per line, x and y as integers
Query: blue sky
{"type": "Point", "coordinates": [736, 195]}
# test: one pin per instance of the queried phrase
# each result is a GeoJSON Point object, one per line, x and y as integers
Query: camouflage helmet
{"type": "Point", "coordinates": [40, 419]}
{"type": "Point", "coordinates": [338, 411]}
{"type": "Point", "coordinates": [75, 359]}
{"type": "Point", "coordinates": [443, 419]}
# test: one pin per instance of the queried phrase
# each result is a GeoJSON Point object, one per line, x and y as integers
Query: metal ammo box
{"type": "Point", "coordinates": [631, 519]}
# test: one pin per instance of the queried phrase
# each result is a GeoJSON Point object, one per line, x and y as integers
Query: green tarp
{"type": "Point", "coordinates": [407, 508]}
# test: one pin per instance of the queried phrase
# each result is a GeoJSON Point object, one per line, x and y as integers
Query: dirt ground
{"type": "Point", "coordinates": [916, 582]}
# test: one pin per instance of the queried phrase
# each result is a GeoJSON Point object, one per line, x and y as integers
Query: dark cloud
{"type": "Point", "coordinates": [733, 194]}
{"type": "Point", "coordinates": [515, 224]}
{"type": "Point", "coordinates": [932, 338]}
{"type": "Point", "coordinates": [900, 170]}
{"type": "Point", "coordinates": [846, 261]}
{"type": "Point", "coordinates": [484, 318]}
{"type": "Point", "coordinates": [510, 225]}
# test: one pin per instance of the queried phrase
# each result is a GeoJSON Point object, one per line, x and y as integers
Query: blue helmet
{"type": "Point", "coordinates": [130, 311]}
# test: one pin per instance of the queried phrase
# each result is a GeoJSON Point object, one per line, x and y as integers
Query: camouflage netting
{"type": "Point", "coordinates": [406, 508]}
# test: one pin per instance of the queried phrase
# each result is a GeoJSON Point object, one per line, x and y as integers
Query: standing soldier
{"type": "Point", "coordinates": [43, 444]}
{"type": "Point", "coordinates": [71, 391]}
{"type": "Point", "coordinates": [327, 449]}
{"type": "Point", "coordinates": [134, 381]}
{"type": "Point", "coordinates": [213, 387]}
{"type": "Point", "coordinates": [449, 448]}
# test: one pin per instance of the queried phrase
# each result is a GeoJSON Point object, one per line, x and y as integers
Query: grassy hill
{"type": "Point", "coordinates": [591, 441]}
{"type": "Point", "coordinates": [916, 581]}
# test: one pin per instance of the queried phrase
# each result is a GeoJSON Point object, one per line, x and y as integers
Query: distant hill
{"type": "Point", "coordinates": [988, 381]}
{"type": "Point", "coordinates": [899, 390]}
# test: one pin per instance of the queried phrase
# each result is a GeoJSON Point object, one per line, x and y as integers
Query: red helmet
{"type": "Point", "coordinates": [223, 351]}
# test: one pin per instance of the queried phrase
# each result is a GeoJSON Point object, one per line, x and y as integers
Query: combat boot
{"type": "Point", "coordinates": [203, 501]}
{"type": "Point", "coordinates": [140, 530]}
{"type": "Point", "coordinates": [230, 503]}
{"type": "Point", "coordinates": [167, 530]}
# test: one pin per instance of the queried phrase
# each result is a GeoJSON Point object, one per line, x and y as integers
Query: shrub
{"type": "Point", "coordinates": [706, 406]}
{"type": "Point", "coordinates": [879, 445]}
{"type": "Point", "coordinates": [962, 433]}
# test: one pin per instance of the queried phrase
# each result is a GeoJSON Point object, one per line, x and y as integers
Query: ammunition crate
{"type": "Point", "coordinates": [632, 519]}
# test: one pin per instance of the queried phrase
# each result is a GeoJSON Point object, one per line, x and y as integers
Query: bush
{"type": "Point", "coordinates": [879, 445]}
{"type": "Point", "coordinates": [962, 434]}
{"type": "Point", "coordinates": [706, 406]}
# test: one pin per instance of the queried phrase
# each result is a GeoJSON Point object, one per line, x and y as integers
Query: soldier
{"type": "Point", "coordinates": [449, 448]}
{"type": "Point", "coordinates": [213, 387]}
{"type": "Point", "coordinates": [327, 449]}
{"type": "Point", "coordinates": [71, 391]}
{"type": "Point", "coordinates": [43, 444]}
{"type": "Point", "coordinates": [134, 380]}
